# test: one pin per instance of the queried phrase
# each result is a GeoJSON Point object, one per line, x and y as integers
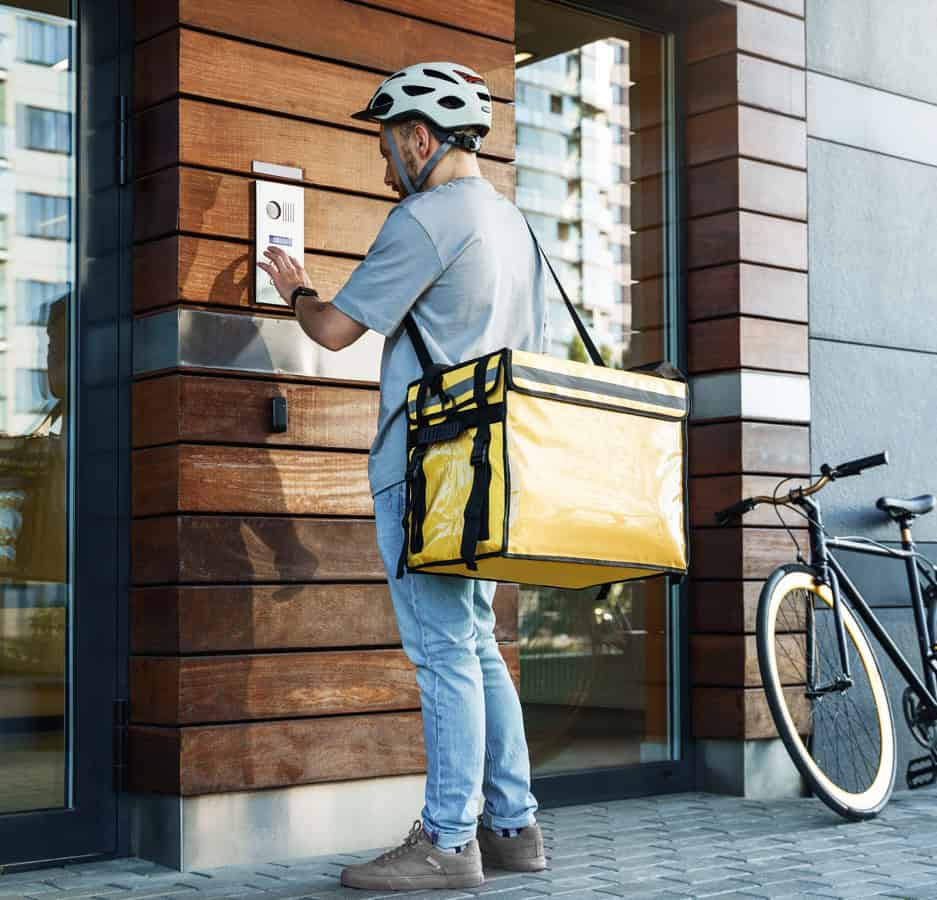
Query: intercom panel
{"type": "Point", "coordinates": [278, 222]}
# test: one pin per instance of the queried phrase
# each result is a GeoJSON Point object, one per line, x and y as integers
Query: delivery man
{"type": "Point", "coordinates": [459, 257]}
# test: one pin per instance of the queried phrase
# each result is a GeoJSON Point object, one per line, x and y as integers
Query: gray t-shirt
{"type": "Point", "coordinates": [460, 258]}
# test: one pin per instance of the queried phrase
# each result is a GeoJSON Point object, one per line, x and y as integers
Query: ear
{"type": "Point", "coordinates": [425, 141]}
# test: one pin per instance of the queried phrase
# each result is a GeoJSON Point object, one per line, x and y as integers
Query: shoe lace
{"type": "Point", "coordinates": [411, 840]}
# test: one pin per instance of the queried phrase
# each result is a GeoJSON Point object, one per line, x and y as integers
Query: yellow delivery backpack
{"type": "Point", "coordinates": [528, 468]}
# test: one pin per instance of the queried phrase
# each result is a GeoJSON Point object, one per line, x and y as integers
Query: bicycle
{"type": "Point", "coordinates": [822, 679]}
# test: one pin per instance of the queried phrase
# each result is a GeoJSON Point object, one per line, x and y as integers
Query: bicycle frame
{"type": "Point", "coordinates": [832, 572]}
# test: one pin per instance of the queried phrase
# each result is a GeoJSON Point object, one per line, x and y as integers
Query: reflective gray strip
{"type": "Point", "coordinates": [181, 338]}
{"type": "Point", "coordinates": [460, 387]}
{"type": "Point", "coordinates": [560, 379]}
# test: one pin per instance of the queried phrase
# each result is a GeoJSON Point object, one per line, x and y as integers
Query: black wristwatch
{"type": "Point", "coordinates": [302, 291]}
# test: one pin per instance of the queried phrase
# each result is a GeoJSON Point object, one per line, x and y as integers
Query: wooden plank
{"type": "Point", "coordinates": [743, 130]}
{"type": "Point", "coordinates": [202, 689]}
{"type": "Point", "coordinates": [346, 32]}
{"type": "Point", "coordinates": [647, 202]}
{"type": "Point", "coordinates": [721, 712]}
{"type": "Point", "coordinates": [214, 619]}
{"type": "Point", "coordinates": [216, 205]}
{"type": "Point", "coordinates": [223, 137]}
{"type": "Point", "coordinates": [197, 65]}
{"type": "Point", "coordinates": [746, 237]}
{"type": "Point", "coordinates": [741, 552]}
{"type": "Point", "coordinates": [732, 660]}
{"type": "Point", "coordinates": [740, 78]}
{"type": "Point", "coordinates": [747, 290]}
{"type": "Point", "coordinates": [750, 29]}
{"type": "Point", "coordinates": [244, 549]}
{"type": "Point", "coordinates": [182, 269]}
{"type": "Point", "coordinates": [182, 690]}
{"type": "Point", "coordinates": [264, 481]}
{"type": "Point", "coordinates": [745, 342]}
{"type": "Point", "coordinates": [235, 410]}
{"type": "Point", "coordinates": [249, 756]}
{"type": "Point", "coordinates": [729, 607]}
{"type": "Point", "coordinates": [746, 184]}
{"type": "Point", "coordinates": [752, 447]}
{"type": "Point", "coordinates": [492, 17]}
{"type": "Point", "coordinates": [716, 492]}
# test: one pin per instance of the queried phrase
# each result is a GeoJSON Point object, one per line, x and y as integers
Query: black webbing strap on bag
{"type": "Point", "coordinates": [475, 527]}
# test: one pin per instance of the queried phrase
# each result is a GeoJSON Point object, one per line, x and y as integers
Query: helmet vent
{"type": "Point", "coordinates": [395, 76]}
{"type": "Point", "coordinates": [484, 96]}
{"type": "Point", "coordinates": [435, 73]}
{"type": "Point", "coordinates": [382, 103]}
{"type": "Point", "coordinates": [469, 77]}
{"type": "Point", "coordinates": [414, 90]}
{"type": "Point", "coordinates": [451, 102]}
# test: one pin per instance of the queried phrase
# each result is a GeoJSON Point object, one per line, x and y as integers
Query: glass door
{"type": "Point", "coordinates": [599, 671]}
{"type": "Point", "coordinates": [58, 650]}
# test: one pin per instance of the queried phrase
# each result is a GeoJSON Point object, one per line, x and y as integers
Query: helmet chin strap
{"type": "Point", "coordinates": [413, 187]}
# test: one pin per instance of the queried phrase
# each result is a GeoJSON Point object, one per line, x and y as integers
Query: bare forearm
{"type": "Point", "coordinates": [310, 313]}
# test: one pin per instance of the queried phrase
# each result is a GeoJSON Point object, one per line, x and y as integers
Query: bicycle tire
{"type": "Point", "coordinates": [784, 662]}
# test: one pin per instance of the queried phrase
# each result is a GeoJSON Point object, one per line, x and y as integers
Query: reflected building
{"type": "Point", "coordinates": [573, 184]}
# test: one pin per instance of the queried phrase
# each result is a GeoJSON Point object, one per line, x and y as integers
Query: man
{"type": "Point", "coordinates": [458, 257]}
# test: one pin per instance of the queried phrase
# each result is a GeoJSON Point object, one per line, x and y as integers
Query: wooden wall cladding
{"type": "Point", "coordinates": [751, 447]}
{"type": "Point", "coordinates": [217, 758]}
{"type": "Point", "coordinates": [744, 342]}
{"type": "Point", "coordinates": [181, 408]}
{"type": "Point", "coordinates": [196, 64]}
{"type": "Point", "coordinates": [217, 619]}
{"type": "Point", "coordinates": [352, 33]}
{"type": "Point", "coordinates": [268, 481]}
{"type": "Point", "coordinates": [746, 205]}
{"type": "Point", "coordinates": [252, 549]}
{"type": "Point", "coordinates": [194, 132]}
{"type": "Point", "coordinates": [182, 690]}
{"type": "Point", "coordinates": [733, 713]}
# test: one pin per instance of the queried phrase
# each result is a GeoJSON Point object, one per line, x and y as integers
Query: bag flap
{"type": "Point", "coordinates": [606, 388]}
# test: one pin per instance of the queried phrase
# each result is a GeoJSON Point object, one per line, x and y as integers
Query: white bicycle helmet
{"type": "Point", "coordinates": [449, 97]}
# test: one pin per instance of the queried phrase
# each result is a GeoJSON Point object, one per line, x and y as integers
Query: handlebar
{"type": "Point", "coordinates": [827, 474]}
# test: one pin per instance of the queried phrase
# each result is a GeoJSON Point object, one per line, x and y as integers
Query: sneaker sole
{"type": "Point", "coordinates": [536, 864]}
{"type": "Point", "coordinates": [411, 882]}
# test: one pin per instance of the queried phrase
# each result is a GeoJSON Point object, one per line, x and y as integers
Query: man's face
{"type": "Point", "coordinates": [407, 155]}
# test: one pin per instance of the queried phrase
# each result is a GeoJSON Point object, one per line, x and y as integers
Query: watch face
{"type": "Point", "coordinates": [273, 209]}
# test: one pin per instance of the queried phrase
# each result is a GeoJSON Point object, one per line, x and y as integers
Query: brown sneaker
{"type": "Point", "coordinates": [417, 864]}
{"type": "Point", "coordinates": [523, 853]}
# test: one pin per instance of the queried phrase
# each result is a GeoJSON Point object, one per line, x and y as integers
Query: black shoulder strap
{"type": "Point", "coordinates": [422, 354]}
{"type": "Point", "coordinates": [426, 361]}
{"type": "Point", "coordinates": [587, 341]}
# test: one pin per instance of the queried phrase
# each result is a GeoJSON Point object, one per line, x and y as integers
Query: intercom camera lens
{"type": "Point", "coordinates": [273, 209]}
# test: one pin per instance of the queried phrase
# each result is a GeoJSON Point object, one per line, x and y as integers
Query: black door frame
{"type": "Point", "coordinates": [96, 824]}
{"type": "Point", "coordinates": [666, 17]}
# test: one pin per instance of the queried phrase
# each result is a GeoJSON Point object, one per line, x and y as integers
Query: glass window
{"type": "Point", "coordinates": [32, 391]}
{"type": "Point", "coordinates": [44, 216]}
{"type": "Point", "coordinates": [33, 299]}
{"type": "Point", "coordinates": [595, 683]}
{"type": "Point", "coordinates": [47, 129]}
{"type": "Point", "coordinates": [42, 43]}
{"type": "Point", "coordinates": [37, 748]}
{"type": "Point", "coordinates": [556, 103]}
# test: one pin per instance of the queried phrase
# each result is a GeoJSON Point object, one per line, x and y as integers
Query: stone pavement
{"type": "Point", "coordinates": [669, 847]}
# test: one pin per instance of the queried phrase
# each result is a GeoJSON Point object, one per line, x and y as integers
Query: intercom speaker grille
{"type": "Point", "coordinates": [289, 212]}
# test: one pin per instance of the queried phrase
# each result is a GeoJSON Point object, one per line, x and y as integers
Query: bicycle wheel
{"type": "Point", "coordinates": [843, 740]}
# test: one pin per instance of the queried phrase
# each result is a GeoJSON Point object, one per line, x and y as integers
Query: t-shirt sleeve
{"type": "Point", "coordinates": [401, 264]}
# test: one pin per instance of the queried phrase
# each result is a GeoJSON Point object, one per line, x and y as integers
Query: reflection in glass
{"type": "Point", "coordinates": [590, 178]}
{"type": "Point", "coordinates": [37, 189]}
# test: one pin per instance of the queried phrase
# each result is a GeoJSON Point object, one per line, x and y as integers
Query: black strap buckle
{"type": "Point", "coordinates": [480, 449]}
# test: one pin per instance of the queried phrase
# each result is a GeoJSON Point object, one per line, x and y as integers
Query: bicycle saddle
{"type": "Point", "coordinates": [900, 509]}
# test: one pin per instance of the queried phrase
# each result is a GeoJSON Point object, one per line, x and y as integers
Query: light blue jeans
{"type": "Point", "coordinates": [473, 728]}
